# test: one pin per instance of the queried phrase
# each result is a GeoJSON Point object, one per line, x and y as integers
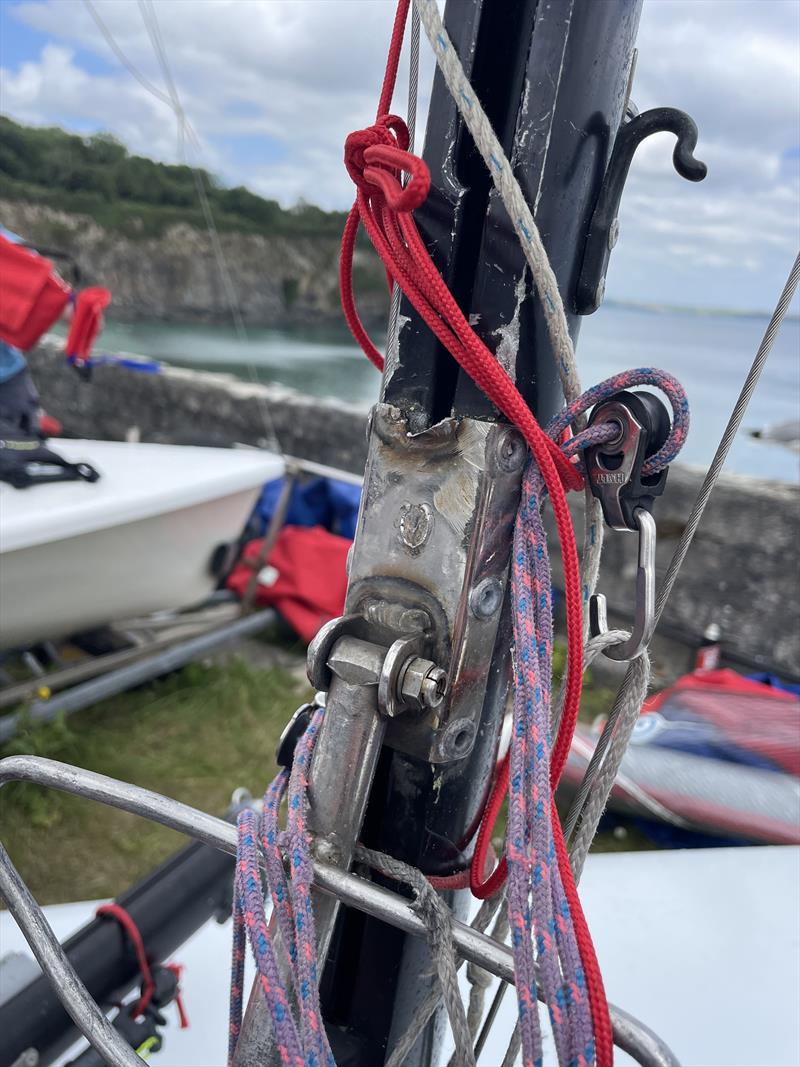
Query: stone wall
{"type": "Point", "coordinates": [742, 570]}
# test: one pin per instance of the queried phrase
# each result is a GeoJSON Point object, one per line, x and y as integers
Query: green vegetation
{"type": "Point", "coordinates": [96, 176]}
{"type": "Point", "coordinates": [196, 736]}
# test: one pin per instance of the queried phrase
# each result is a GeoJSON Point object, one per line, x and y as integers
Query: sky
{"type": "Point", "coordinates": [272, 88]}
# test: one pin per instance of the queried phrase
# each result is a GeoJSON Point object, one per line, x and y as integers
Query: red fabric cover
{"type": "Point", "coordinates": [722, 679]}
{"type": "Point", "coordinates": [32, 296]}
{"type": "Point", "coordinates": [753, 716]}
{"type": "Point", "coordinates": [312, 577]}
{"type": "Point", "coordinates": [86, 322]}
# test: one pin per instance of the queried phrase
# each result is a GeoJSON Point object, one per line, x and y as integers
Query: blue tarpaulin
{"type": "Point", "coordinates": [319, 502]}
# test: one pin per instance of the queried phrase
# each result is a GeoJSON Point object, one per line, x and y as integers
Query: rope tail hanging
{"type": "Point", "coordinates": [554, 956]}
{"type": "Point", "coordinates": [537, 856]}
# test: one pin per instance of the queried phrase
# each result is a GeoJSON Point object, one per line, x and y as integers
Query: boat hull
{"type": "Point", "coordinates": [143, 544]}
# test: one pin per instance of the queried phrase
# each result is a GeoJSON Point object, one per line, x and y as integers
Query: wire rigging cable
{"type": "Point", "coordinates": [186, 133]}
{"type": "Point", "coordinates": [112, 44]}
{"type": "Point", "coordinates": [594, 790]}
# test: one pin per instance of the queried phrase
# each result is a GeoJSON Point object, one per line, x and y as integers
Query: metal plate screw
{"type": "Point", "coordinates": [457, 739]}
{"type": "Point", "coordinates": [511, 451]}
{"type": "Point", "coordinates": [486, 598]}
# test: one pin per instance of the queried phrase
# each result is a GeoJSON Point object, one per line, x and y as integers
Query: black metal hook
{"type": "Point", "coordinates": [604, 227]}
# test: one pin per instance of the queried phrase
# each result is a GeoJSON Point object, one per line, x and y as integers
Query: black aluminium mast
{"type": "Point", "coordinates": [397, 766]}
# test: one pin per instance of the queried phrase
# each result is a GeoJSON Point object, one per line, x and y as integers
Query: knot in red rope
{"type": "Point", "coordinates": [376, 157]}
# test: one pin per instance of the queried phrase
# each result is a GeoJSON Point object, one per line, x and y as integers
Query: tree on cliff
{"type": "Point", "coordinates": [97, 176]}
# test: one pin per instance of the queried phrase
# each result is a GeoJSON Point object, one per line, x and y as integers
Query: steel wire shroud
{"type": "Point", "coordinates": [630, 1035]}
{"type": "Point", "coordinates": [495, 958]}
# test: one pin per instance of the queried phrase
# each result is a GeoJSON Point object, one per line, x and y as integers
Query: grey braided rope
{"type": "Point", "coordinates": [514, 1046]}
{"type": "Point", "coordinates": [593, 649]}
{"type": "Point", "coordinates": [627, 708]}
{"type": "Point", "coordinates": [478, 978]}
{"type": "Point", "coordinates": [479, 981]}
{"type": "Point", "coordinates": [425, 1012]}
{"type": "Point", "coordinates": [436, 915]}
{"type": "Point", "coordinates": [606, 760]}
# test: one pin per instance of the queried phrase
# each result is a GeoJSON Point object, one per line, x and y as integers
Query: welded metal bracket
{"type": "Point", "coordinates": [439, 504]}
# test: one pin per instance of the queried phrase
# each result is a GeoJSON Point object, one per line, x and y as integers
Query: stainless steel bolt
{"type": "Point", "coordinates": [413, 620]}
{"type": "Point", "coordinates": [357, 662]}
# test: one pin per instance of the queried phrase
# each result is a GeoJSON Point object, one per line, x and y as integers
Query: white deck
{"type": "Point", "coordinates": [75, 555]}
{"type": "Point", "coordinates": [137, 482]}
{"type": "Point", "coordinates": [702, 945]}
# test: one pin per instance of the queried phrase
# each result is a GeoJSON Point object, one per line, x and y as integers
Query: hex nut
{"type": "Point", "coordinates": [422, 683]}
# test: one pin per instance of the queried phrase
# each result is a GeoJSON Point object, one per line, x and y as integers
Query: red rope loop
{"type": "Point", "coordinates": [375, 159]}
{"type": "Point", "coordinates": [129, 928]}
{"type": "Point", "coordinates": [377, 156]}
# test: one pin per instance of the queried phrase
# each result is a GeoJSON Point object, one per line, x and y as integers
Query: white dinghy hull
{"type": "Point", "coordinates": [76, 555]}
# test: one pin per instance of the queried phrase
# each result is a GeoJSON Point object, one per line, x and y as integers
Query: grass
{"type": "Point", "coordinates": [196, 736]}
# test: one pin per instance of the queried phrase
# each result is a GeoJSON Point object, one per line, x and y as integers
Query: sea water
{"type": "Point", "coordinates": [710, 353]}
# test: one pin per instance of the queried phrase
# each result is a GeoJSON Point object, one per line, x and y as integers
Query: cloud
{"type": "Point", "coordinates": [297, 75]}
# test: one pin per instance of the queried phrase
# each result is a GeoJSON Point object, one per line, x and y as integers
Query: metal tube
{"type": "Point", "coordinates": [168, 905]}
{"type": "Point", "coordinates": [89, 668]}
{"type": "Point", "coordinates": [51, 957]}
{"type": "Point", "coordinates": [345, 756]}
{"type": "Point", "coordinates": [629, 1034]}
{"type": "Point", "coordinates": [82, 696]}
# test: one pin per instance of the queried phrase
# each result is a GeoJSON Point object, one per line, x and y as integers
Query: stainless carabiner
{"type": "Point", "coordinates": [645, 606]}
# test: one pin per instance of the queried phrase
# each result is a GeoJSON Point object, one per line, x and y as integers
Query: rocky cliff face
{"type": "Point", "coordinates": [277, 280]}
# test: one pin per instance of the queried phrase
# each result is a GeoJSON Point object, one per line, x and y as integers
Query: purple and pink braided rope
{"type": "Point", "coordinates": [292, 911]}
{"type": "Point", "coordinates": [539, 914]}
{"type": "Point", "coordinates": [543, 936]}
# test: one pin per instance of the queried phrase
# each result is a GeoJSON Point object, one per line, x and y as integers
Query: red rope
{"type": "Point", "coordinates": [177, 970]}
{"type": "Point", "coordinates": [128, 924]}
{"type": "Point", "coordinates": [375, 159]}
{"type": "Point", "coordinates": [116, 911]}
